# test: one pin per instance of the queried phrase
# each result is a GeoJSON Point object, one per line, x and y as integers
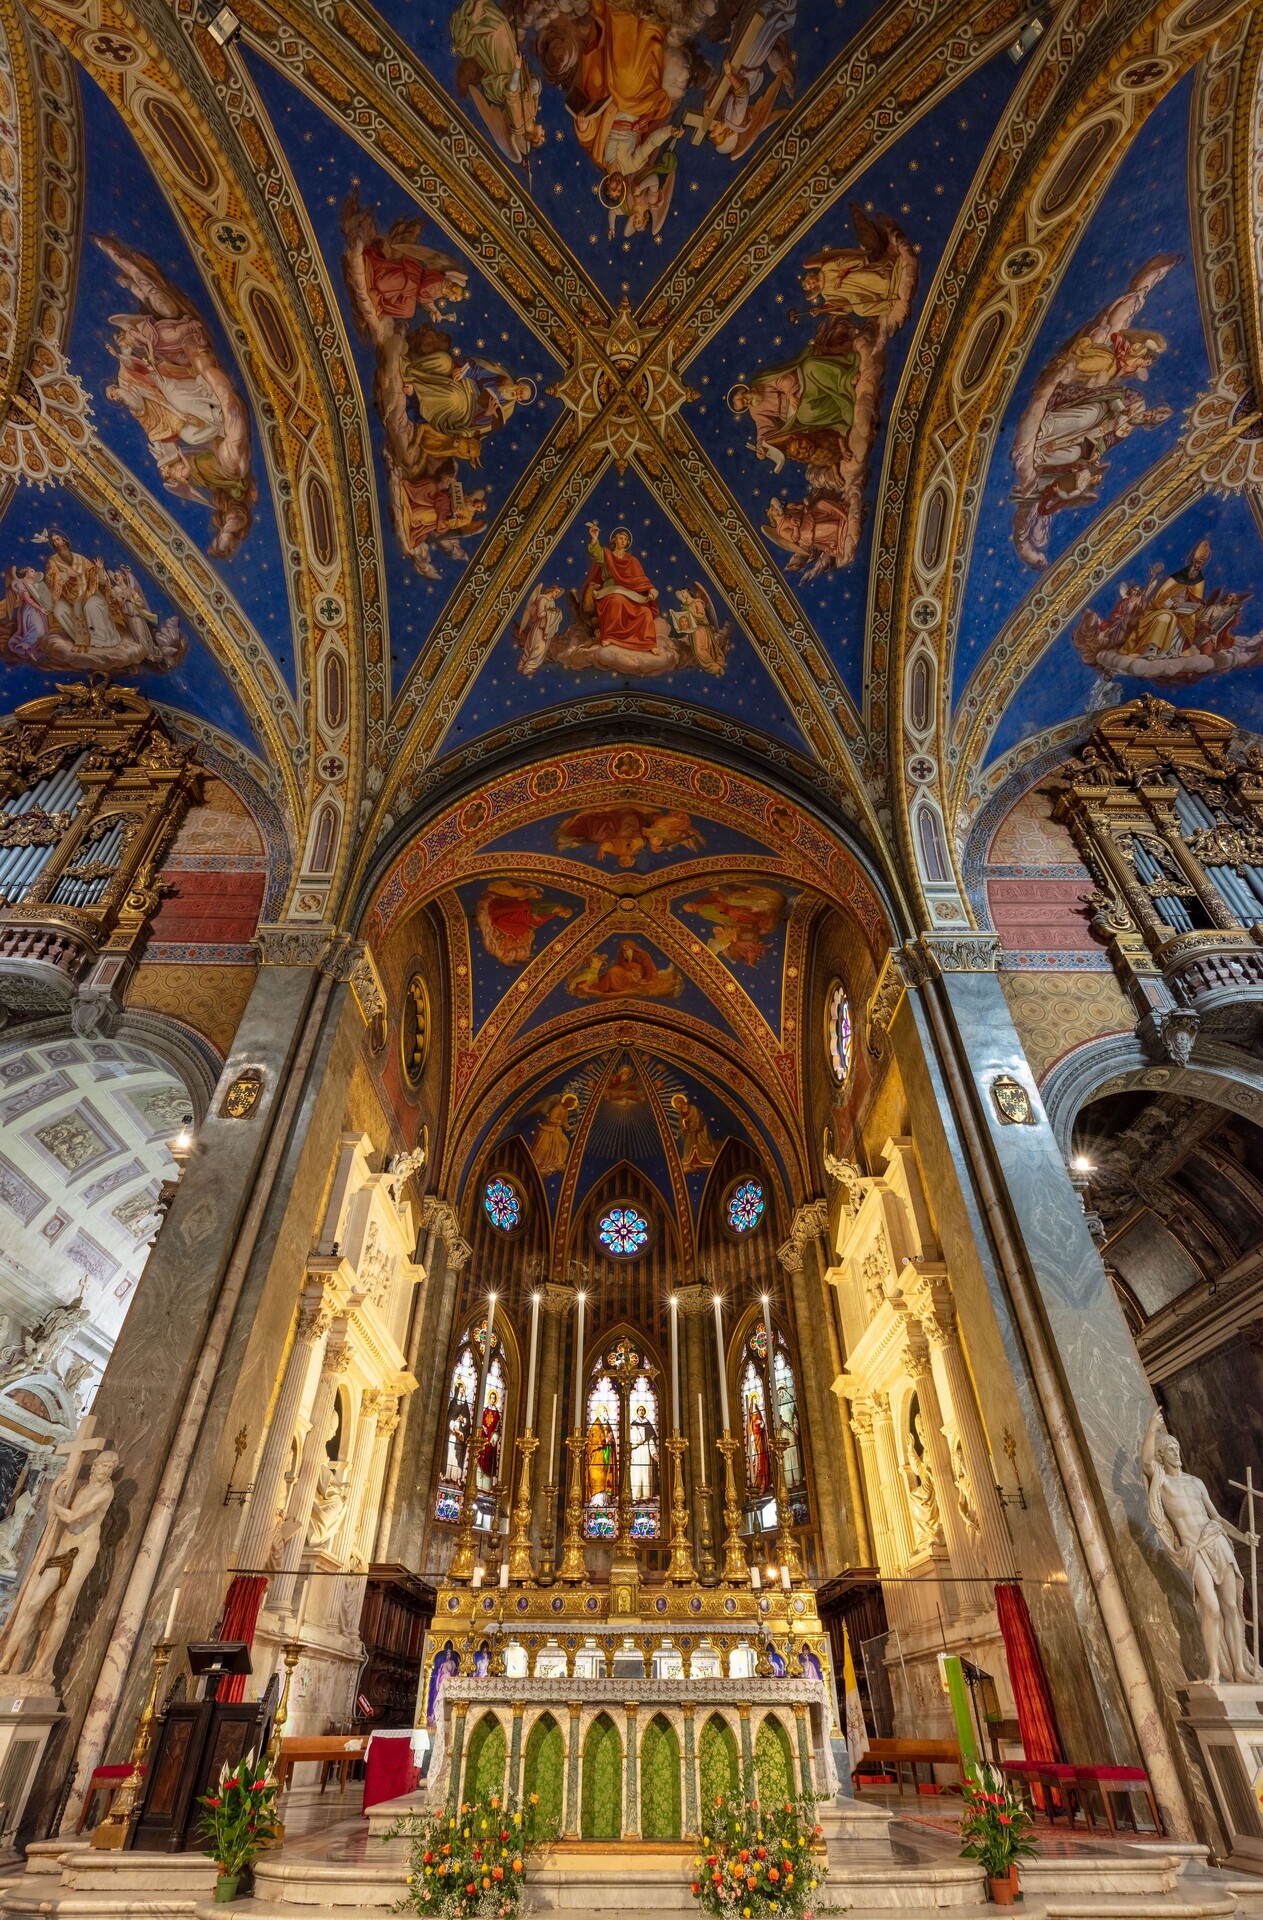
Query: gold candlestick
{"type": "Point", "coordinates": [112, 1831]}
{"type": "Point", "coordinates": [736, 1571]}
{"type": "Point", "coordinates": [682, 1573]}
{"type": "Point", "coordinates": [290, 1651]}
{"type": "Point", "coordinates": [786, 1544]}
{"type": "Point", "coordinates": [521, 1571]}
{"type": "Point", "coordinates": [574, 1566]}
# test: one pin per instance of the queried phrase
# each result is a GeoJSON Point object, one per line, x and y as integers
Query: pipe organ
{"type": "Point", "coordinates": [92, 792]}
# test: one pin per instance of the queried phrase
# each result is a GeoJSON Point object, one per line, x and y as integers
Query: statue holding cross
{"type": "Point", "coordinates": [65, 1556]}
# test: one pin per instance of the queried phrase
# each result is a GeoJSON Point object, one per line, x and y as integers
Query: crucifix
{"type": "Point", "coordinates": [83, 1442]}
{"type": "Point", "coordinates": [1248, 1488]}
{"type": "Point", "coordinates": [743, 41]}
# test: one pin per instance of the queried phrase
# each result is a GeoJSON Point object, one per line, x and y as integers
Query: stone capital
{"type": "Point", "coordinates": [556, 1297]}
{"type": "Point", "coordinates": [958, 952]}
{"type": "Point", "coordinates": [695, 1301]}
{"type": "Point", "coordinates": [441, 1218]}
{"type": "Point", "coordinates": [282, 944]}
{"type": "Point", "coordinates": [810, 1222]}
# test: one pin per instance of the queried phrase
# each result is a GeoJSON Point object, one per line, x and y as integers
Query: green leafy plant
{"type": "Point", "coordinates": [472, 1862]}
{"type": "Point", "coordinates": [758, 1858]}
{"type": "Point", "coordinates": [240, 1815]}
{"type": "Point", "coordinates": [996, 1826]}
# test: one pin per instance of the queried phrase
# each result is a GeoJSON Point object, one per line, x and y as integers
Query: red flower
{"type": "Point", "coordinates": [504, 1833]}
{"type": "Point", "coordinates": [470, 1889]}
{"type": "Point", "coordinates": [1006, 1819]}
{"type": "Point", "coordinates": [772, 1874]}
{"type": "Point", "coordinates": [744, 1856]}
{"type": "Point", "coordinates": [695, 1888]}
{"type": "Point", "coordinates": [761, 1853]}
{"type": "Point", "coordinates": [429, 1859]}
{"type": "Point", "coordinates": [712, 1859]}
{"type": "Point", "coordinates": [214, 1803]}
{"type": "Point", "coordinates": [497, 1873]}
{"type": "Point", "coordinates": [258, 1786]}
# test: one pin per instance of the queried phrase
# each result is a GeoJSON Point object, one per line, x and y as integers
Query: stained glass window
{"type": "Point", "coordinates": [502, 1204]}
{"type": "Point", "coordinates": [838, 1033]}
{"type": "Point", "coordinates": [623, 1232]}
{"type": "Point", "coordinates": [760, 1477]}
{"type": "Point", "coordinates": [758, 1342]}
{"type": "Point", "coordinates": [602, 1468]}
{"type": "Point", "coordinates": [746, 1205]}
{"type": "Point", "coordinates": [601, 1458]}
{"type": "Point", "coordinates": [463, 1433]}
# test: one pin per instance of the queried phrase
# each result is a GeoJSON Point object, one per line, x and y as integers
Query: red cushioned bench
{"type": "Point", "coordinates": [1127, 1781]}
{"type": "Point", "coordinates": [106, 1780]}
{"type": "Point", "coordinates": [1075, 1786]}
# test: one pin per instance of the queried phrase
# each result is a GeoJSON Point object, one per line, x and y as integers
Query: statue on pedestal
{"type": "Point", "coordinates": [66, 1555]}
{"type": "Point", "coordinates": [1199, 1540]}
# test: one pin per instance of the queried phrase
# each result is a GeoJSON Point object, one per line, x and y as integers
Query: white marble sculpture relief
{"type": "Point", "coordinates": [1199, 1540]}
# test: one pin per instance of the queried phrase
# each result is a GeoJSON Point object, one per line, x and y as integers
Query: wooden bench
{"type": "Point", "coordinates": [907, 1753]}
{"type": "Point", "coordinates": [327, 1750]}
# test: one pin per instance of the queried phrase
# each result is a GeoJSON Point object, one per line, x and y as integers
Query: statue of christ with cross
{"type": "Point", "coordinates": [66, 1555]}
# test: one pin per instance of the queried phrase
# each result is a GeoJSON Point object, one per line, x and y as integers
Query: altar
{"type": "Point", "coordinates": [624, 1729]}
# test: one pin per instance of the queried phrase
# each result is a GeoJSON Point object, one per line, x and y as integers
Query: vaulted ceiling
{"type": "Point", "coordinates": [914, 374]}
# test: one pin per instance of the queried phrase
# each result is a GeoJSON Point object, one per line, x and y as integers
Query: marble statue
{"type": "Point", "coordinates": [43, 1344]}
{"type": "Point", "coordinates": [1199, 1540]}
{"type": "Point", "coordinates": [402, 1166]}
{"type": "Point", "coordinates": [66, 1555]}
{"type": "Point", "coordinates": [327, 1507]}
{"type": "Point", "coordinates": [922, 1497]}
{"type": "Point", "coordinates": [11, 1530]}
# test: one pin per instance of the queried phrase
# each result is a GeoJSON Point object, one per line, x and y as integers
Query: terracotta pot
{"type": "Point", "coordinates": [226, 1886]}
{"type": "Point", "coordinates": [1004, 1888]}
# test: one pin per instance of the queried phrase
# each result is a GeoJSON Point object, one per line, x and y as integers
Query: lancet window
{"type": "Point", "coordinates": [470, 1441]}
{"type": "Point", "coordinates": [622, 1404]}
{"type": "Point", "coordinates": [760, 1424]}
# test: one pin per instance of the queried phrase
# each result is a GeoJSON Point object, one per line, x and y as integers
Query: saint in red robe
{"type": "Point", "coordinates": [622, 596]}
{"type": "Point", "coordinates": [489, 1444]}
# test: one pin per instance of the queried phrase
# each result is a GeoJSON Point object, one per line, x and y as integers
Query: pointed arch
{"type": "Point", "coordinates": [544, 1772]}
{"type": "Point", "coordinates": [718, 1761]}
{"type": "Point", "coordinates": [773, 1763]}
{"type": "Point", "coordinates": [660, 1817]}
{"type": "Point", "coordinates": [601, 1815]}
{"type": "Point", "coordinates": [485, 1759]}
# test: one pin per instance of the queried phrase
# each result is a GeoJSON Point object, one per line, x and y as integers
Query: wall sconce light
{"type": "Point", "coordinates": [224, 28]}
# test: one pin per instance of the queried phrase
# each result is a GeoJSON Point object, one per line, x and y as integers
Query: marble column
{"type": "Point", "coordinates": [631, 1764]}
{"type": "Point", "coordinates": [318, 1307]}
{"type": "Point", "coordinates": [806, 1779]}
{"type": "Point", "coordinates": [688, 1709]}
{"type": "Point", "coordinates": [961, 1544]}
{"type": "Point", "coordinates": [385, 1421]}
{"type": "Point", "coordinates": [336, 1361]}
{"type": "Point", "coordinates": [820, 1415]}
{"type": "Point", "coordinates": [573, 1758]}
{"type": "Point", "coordinates": [457, 1747]}
{"type": "Point", "coordinates": [445, 1254]}
{"type": "Point", "coordinates": [515, 1751]}
{"type": "Point", "coordinates": [894, 1494]}
{"type": "Point", "coordinates": [962, 1424]}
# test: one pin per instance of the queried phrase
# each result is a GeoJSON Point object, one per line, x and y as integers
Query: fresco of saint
{"type": "Point", "coordinates": [641, 84]}
{"type": "Point", "coordinates": [171, 381]}
{"type": "Point", "coordinates": [616, 622]}
{"type": "Point", "coordinates": [623, 833]}
{"type": "Point", "coordinates": [436, 403]}
{"type": "Point", "coordinates": [508, 915]}
{"type": "Point", "coordinates": [698, 1147]}
{"type": "Point", "coordinates": [822, 408]}
{"type": "Point", "coordinates": [1171, 631]}
{"type": "Point", "coordinates": [741, 914]}
{"type": "Point", "coordinates": [631, 973]}
{"type": "Point", "coordinates": [77, 613]}
{"type": "Point", "coordinates": [550, 1147]}
{"type": "Point", "coordinates": [1082, 405]}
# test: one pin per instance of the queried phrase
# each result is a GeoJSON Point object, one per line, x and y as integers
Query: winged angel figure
{"type": "Point", "coordinates": [1083, 404]}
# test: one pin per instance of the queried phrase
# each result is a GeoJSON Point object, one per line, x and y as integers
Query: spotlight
{"type": "Point", "coordinates": [1032, 33]}
{"type": "Point", "coordinates": [224, 28]}
{"type": "Point", "coordinates": [1081, 1164]}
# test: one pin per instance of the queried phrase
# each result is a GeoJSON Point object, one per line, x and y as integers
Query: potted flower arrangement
{"type": "Point", "coordinates": [995, 1830]}
{"type": "Point", "coordinates": [758, 1859]}
{"type": "Point", "coordinates": [240, 1818]}
{"type": "Point", "coordinates": [472, 1862]}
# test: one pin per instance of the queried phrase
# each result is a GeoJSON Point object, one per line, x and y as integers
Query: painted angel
{"type": "Point", "coordinates": [1082, 405]}
{"type": "Point", "coordinates": [389, 275]}
{"type": "Point", "coordinates": [171, 381]}
{"type": "Point", "coordinates": [696, 623]}
{"type": "Point", "coordinates": [759, 71]}
{"type": "Point", "coordinates": [491, 72]}
{"type": "Point", "coordinates": [538, 628]}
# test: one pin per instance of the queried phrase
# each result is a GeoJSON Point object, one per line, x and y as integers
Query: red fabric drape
{"type": "Point", "coordinates": [241, 1614]}
{"type": "Point", "coordinates": [1036, 1715]}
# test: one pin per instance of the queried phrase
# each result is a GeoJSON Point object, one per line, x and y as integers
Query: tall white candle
{"type": "Point", "coordinates": [581, 1304]}
{"type": "Point", "coordinates": [675, 1365]}
{"type": "Point", "coordinates": [771, 1358]}
{"type": "Point", "coordinates": [785, 1579]}
{"type": "Point", "coordinates": [701, 1443]}
{"type": "Point", "coordinates": [530, 1369]}
{"type": "Point", "coordinates": [552, 1447]}
{"type": "Point", "coordinates": [504, 1570]}
{"type": "Point", "coordinates": [175, 1601]}
{"type": "Point", "coordinates": [723, 1371]}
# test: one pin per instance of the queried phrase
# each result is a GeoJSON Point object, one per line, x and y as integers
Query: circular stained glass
{"type": "Point", "coordinates": [502, 1205]}
{"type": "Point", "coordinates": [758, 1342]}
{"type": "Point", "coordinates": [838, 1034]}
{"type": "Point", "coordinates": [746, 1206]}
{"type": "Point", "coordinates": [623, 1232]}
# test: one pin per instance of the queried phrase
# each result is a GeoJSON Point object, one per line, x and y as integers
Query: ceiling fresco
{"type": "Point", "coordinates": [417, 386]}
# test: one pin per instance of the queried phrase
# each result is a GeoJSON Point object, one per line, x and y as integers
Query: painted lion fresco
{"type": "Point", "coordinates": [821, 410]}
{"type": "Point", "coordinates": [641, 84]}
{"type": "Point", "coordinates": [1083, 404]}
{"type": "Point", "coordinates": [1171, 631]}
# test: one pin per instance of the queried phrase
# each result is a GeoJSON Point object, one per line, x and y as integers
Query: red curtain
{"type": "Point", "coordinates": [1036, 1715]}
{"type": "Point", "coordinates": [241, 1614]}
